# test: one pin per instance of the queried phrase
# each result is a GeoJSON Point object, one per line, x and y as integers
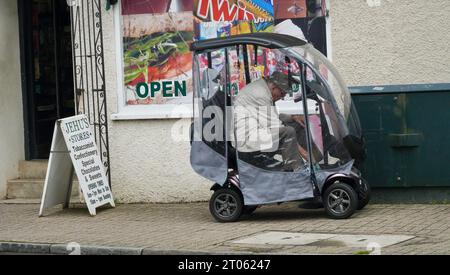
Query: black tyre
{"type": "Point", "coordinates": [340, 200]}
{"type": "Point", "coordinates": [249, 209]}
{"type": "Point", "coordinates": [364, 194]}
{"type": "Point", "coordinates": [226, 205]}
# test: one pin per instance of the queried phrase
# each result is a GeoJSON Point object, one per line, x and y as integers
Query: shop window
{"type": "Point", "coordinates": [155, 64]}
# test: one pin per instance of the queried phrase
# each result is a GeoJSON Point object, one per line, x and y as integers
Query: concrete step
{"type": "Point", "coordinates": [30, 189]}
{"type": "Point", "coordinates": [33, 169]}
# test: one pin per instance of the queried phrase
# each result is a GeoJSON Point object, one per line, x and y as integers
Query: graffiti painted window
{"type": "Point", "coordinates": [156, 56]}
{"type": "Point", "coordinates": [224, 18]}
{"type": "Point", "coordinates": [156, 36]}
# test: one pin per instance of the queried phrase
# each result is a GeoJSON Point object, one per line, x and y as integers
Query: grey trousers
{"type": "Point", "coordinates": [289, 148]}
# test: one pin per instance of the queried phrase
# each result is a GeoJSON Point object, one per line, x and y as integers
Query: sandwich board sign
{"type": "Point", "coordinates": [74, 149]}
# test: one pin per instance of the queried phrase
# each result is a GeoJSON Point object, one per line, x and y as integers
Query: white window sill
{"type": "Point", "coordinates": [180, 111]}
{"type": "Point", "coordinates": [153, 112]}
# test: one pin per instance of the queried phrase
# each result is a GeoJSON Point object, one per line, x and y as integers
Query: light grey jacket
{"type": "Point", "coordinates": [256, 119]}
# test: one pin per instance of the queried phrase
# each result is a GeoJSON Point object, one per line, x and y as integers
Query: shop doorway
{"type": "Point", "coordinates": [47, 71]}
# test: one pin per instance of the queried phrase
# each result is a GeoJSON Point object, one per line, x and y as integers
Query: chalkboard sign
{"type": "Point", "coordinates": [74, 148]}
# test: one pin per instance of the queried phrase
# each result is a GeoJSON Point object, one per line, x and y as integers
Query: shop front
{"type": "Point", "coordinates": [127, 65]}
{"type": "Point", "coordinates": [151, 110]}
{"type": "Point", "coordinates": [150, 103]}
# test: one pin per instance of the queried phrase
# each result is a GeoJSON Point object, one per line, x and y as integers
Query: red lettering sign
{"type": "Point", "coordinates": [220, 10]}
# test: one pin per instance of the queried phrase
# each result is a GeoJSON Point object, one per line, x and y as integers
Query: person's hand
{"type": "Point", "coordinates": [303, 153]}
{"type": "Point", "coordinates": [299, 119]}
{"type": "Point", "coordinates": [285, 118]}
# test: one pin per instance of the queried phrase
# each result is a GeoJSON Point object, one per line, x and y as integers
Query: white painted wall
{"type": "Point", "coordinates": [391, 41]}
{"type": "Point", "coordinates": [11, 112]}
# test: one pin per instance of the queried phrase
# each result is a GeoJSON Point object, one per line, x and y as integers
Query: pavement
{"type": "Point", "coordinates": [189, 229]}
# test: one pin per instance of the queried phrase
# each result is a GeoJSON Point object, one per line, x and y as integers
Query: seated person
{"type": "Point", "coordinates": [257, 124]}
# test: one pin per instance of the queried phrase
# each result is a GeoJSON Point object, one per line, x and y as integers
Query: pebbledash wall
{"type": "Point", "coordinates": [373, 42]}
{"type": "Point", "coordinates": [386, 42]}
{"type": "Point", "coordinates": [11, 112]}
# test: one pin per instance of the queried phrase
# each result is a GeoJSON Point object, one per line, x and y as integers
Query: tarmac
{"type": "Point", "coordinates": [189, 229]}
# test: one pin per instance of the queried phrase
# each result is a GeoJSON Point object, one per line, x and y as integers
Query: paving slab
{"type": "Point", "coordinates": [189, 227]}
{"type": "Point", "coordinates": [347, 240]}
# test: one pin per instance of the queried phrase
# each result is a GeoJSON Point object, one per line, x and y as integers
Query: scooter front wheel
{"type": "Point", "coordinates": [340, 200]}
{"type": "Point", "coordinates": [226, 205]}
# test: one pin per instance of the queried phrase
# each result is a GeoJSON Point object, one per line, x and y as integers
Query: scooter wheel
{"type": "Point", "coordinates": [340, 201]}
{"type": "Point", "coordinates": [226, 205]}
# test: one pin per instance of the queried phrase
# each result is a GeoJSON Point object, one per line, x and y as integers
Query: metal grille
{"type": "Point", "coordinates": [89, 70]}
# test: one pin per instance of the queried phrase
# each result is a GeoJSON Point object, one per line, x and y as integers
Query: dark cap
{"type": "Point", "coordinates": [281, 80]}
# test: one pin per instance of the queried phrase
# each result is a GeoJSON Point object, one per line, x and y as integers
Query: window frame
{"type": "Point", "coordinates": [163, 111]}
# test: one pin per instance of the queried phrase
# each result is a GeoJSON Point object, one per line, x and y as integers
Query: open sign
{"type": "Point", "coordinates": [165, 88]}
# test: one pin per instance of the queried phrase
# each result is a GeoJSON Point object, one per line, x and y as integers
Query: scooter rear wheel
{"type": "Point", "coordinates": [226, 205]}
{"type": "Point", "coordinates": [340, 200]}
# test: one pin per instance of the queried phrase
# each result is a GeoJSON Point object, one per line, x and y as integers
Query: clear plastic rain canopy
{"type": "Point", "coordinates": [337, 86]}
{"type": "Point", "coordinates": [233, 81]}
